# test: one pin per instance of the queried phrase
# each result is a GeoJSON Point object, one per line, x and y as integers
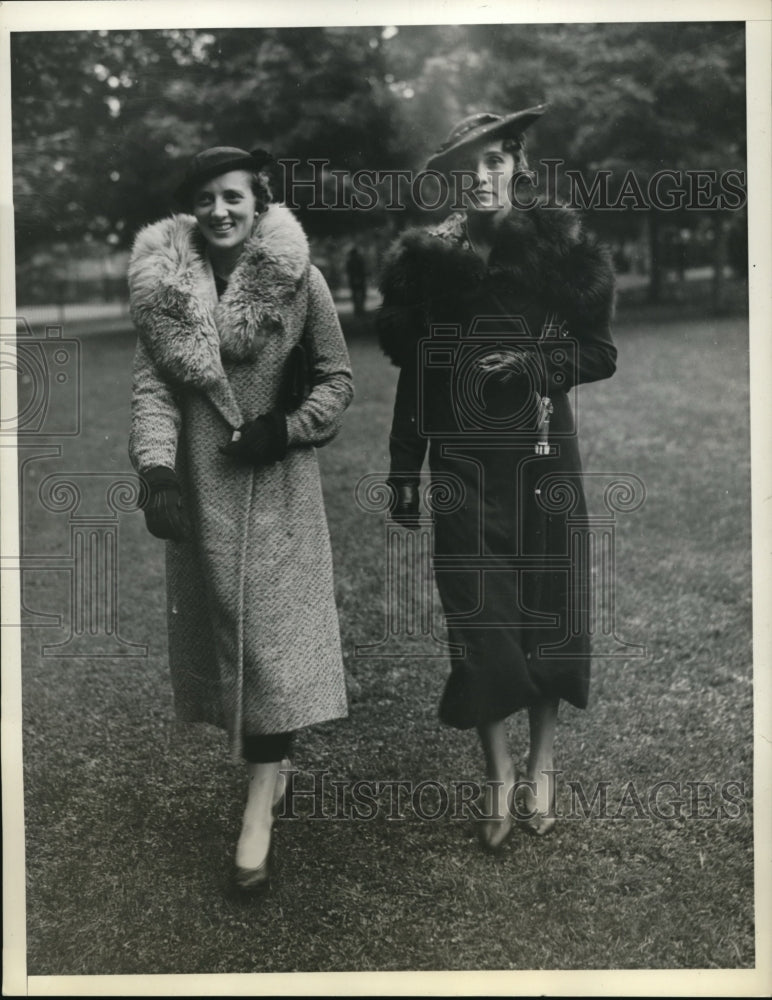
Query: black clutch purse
{"type": "Point", "coordinates": [296, 380]}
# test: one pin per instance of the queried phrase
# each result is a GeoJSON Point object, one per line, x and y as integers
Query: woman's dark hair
{"type": "Point", "coordinates": [260, 183]}
{"type": "Point", "coordinates": [515, 145]}
{"type": "Point", "coordinates": [261, 188]}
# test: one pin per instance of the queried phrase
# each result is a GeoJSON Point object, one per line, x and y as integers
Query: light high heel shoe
{"type": "Point", "coordinates": [251, 881]}
{"type": "Point", "coordinates": [529, 817]}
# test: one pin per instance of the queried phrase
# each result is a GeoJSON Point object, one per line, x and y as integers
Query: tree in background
{"type": "Point", "coordinates": [103, 122]}
{"type": "Point", "coordinates": [623, 97]}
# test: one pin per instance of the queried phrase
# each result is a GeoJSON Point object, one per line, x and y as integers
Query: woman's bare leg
{"type": "Point", "coordinates": [256, 825]}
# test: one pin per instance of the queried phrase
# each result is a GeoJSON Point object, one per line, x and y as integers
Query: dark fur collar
{"type": "Point", "coordinates": [541, 254]}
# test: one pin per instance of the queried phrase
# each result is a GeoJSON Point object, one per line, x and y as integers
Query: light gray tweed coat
{"type": "Point", "coordinates": [254, 644]}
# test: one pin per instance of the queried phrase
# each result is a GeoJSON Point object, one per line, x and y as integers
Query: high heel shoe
{"type": "Point", "coordinates": [529, 817]}
{"type": "Point", "coordinates": [253, 880]}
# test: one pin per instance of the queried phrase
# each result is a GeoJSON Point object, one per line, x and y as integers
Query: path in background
{"type": "Point", "coordinates": [111, 317]}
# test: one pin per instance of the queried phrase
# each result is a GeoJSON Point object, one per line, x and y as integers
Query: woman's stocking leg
{"type": "Point", "coordinates": [255, 836]}
{"type": "Point", "coordinates": [501, 778]}
{"type": "Point", "coordinates": [542, 718]}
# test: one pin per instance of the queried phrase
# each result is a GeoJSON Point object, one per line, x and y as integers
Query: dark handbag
{"type": "Point", "coordinates": [296, 379]}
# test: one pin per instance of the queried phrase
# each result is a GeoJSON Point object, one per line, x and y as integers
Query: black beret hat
{"type": "Point", "coordinates": [483, 125]}
{"type": "Point", "coordinates": [215, 161]}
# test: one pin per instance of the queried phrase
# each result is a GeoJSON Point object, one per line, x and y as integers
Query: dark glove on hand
{"type": "Point", "coordinates": [262, 441]}
{"type": "Point", "coordinates": [406, 509]}
{"type": "Point", "coordinates": [165, 516]}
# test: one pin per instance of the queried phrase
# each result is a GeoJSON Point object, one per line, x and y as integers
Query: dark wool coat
{"type": "Point", "coordinates": [478, 347]}
{"type": "Point", "coordinates": [254, 642]}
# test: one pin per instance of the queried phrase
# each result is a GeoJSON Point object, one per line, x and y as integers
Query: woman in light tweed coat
{"type": "Point", "coordinates": [221, 299]}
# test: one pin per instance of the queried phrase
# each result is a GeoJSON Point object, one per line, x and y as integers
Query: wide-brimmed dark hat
{"type": "Point", "coordinates": [215, 161]}
{"type": "Point", "coordinates": [483, 125]}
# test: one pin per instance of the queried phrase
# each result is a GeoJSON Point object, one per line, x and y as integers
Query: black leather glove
{"type": "Point", "coordinates": [406, 508]}
{"type": "Point", "coordinates": [165, 516]}
{"type": "Point", "coordinates": [261, 441]}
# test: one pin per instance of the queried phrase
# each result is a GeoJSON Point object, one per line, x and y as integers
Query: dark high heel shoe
{"type": "Point", "coordinates": [251, 881]}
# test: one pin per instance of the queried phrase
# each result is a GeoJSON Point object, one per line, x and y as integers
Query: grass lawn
{"type": "Point", "coordinates": [131, 821]}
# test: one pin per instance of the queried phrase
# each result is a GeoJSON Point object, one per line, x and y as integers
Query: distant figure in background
{"type": "Point", "coordinates": [224, 433]}
{"type": "Point", "coordinates": [357, 279]}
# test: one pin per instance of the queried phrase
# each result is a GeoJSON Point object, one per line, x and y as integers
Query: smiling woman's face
{"type": "Point", "coordinates": [225, 209]}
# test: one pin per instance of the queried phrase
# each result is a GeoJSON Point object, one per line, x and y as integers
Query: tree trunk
{"type": "Point", "coordinates": [719, 262]}
{"type": "Point", "coordinates": [655, 257]}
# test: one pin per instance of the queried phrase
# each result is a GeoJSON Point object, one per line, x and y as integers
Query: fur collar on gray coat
{"type": "Point", "coordinates": [174, 305]}
{"type": "Point", "coordinates": [541, 254]}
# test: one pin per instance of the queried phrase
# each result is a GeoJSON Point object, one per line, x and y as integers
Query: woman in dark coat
{"type": "Point", "coordinates": [227, 304]}
{"type": "Point", "coordinates": [492, 317]}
